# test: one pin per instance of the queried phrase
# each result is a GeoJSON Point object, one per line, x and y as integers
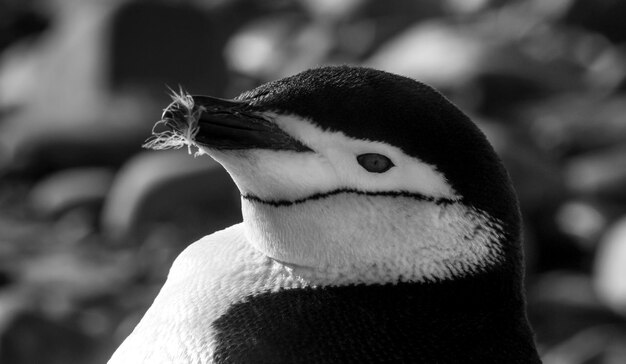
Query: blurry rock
{"type": "Point", "coordinates": [508, 80]}
{"type": "Point", "coordinates": [466, 7]}
{"type": "Point", "coordinates": [433, 52]}
{"type": "Point", "coordinates": [583, 221]}
{"type": "Point", "coordinates": [578, 122]}
{"type": "Point", "coordinates": [561, 303]}
{"type": "Point", "coordinates": [616, 352]}
{"type": "Point", "coordinates": [610, 267]}
{"type": "Point", "coordinates": [33, 338]}
{"type": "Point", "coordinates": [334, 9]}
{"type": "Point", "coordinates": [361, 30]}
{"type": "Point", "coordinates": [606, 65]}
{"type": "Point", "coordinates": [157, 43]}
{"type": "Point", "coordinates": [601, 173]}
{"type": "Point", "coordinates": [13, 302]}
{"type": "Point", "coordinates": [21, 19]}
{"type": "Point", "coordinates": [390, 18]}
{"type": "Point", "coordinates": [604, 17]}
{"type": "Point", "coordinates": [281, 45]}
{"type": "Point", "coordinates": [170, 185]}
{"type": "Point", "coordinates": [71, 188]}
{"type": "Point", "coordinates": [599, 344]}
{"type": "Point", "coordinates": [5, 278]}
{"type": "Point", "coordinates": [59, 280]}
{"type": "Point", "coordinates": [77, 225]}
{"type": "Point", "coordinates": [35, 153]}
{"type": "Point", "coordinates": [261, 39]}
{"type": "Point", "coordinates": [274, 47]}
{"type": "Point", "coordinates": [37, 312]}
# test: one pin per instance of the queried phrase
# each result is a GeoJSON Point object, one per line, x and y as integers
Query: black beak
{"type": "Point", "coordinates": [231, 125]}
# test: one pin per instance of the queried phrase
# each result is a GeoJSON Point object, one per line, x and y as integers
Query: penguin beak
{"type": "Point", "coordinates": [231, 125]}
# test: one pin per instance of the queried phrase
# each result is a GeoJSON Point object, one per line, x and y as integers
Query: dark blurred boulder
{"type": "Point", "coordinates": [35, 151]}
{"type": "Point", "coordinates": [171, 186]}
{"type": "Point", "coordinates": [390, 18]}
{"type": "Point", "coordinates": [576, 123]}
{"type": "Point", "coordinates": [33, 338]}
{"type": "Point", "coordinates": [40, 318]}
{"type": "Point", "coordinates": [69, 189]}
{"type": "Point", "coordinates": [602, 344]}
{"type": "Point", "coordinates": [5, 278]}
{"type": "Point", "coordinates": [59, 280]}
{"type": "Point", "coordinates": [561, 304]}
{"type": "Point", "coordinates": [21, 19]}
{"type": "Point", "coordinates": [601, 173]}
{"type": "Point", "coordinates": [603, 16]}
{"type": "Point", "coordinates": [159, 43]}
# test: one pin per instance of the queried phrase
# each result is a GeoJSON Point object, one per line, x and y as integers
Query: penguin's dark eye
{"type": "Point", "coordinates": [375, 163]}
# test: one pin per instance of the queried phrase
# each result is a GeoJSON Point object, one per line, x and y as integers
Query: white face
{"type": "Point", "coordinates": [286, 175]}
{"type": "Point", "coordinates": [359, 234]}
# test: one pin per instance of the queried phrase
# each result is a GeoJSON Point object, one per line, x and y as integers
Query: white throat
{"type": "Point", "coordinates": [359, 238]}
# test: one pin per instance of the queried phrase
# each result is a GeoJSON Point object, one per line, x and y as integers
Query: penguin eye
{"type": "Point", "coordinates": [375, 163]}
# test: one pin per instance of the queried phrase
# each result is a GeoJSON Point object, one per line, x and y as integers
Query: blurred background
{"type": "Point", "coordinates": [90, 222]}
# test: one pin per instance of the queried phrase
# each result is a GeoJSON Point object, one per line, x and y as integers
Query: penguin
{"type": "Point", "coordinates": [379, 226]}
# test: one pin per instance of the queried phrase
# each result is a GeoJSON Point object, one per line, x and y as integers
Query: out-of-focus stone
{"type": "Point", "coordinates": [432, 52]}
{"type": "Point", "coordinates": [596, 344]}
{"type": "Point", "coordinates": [576, 123]}
{"type": "Point", "coordinates": [185, 48]}
{"type": "Point", "coordinates": [276, 47]}
{"type": "Point", "coordinates": [583, 221]}
{"type": "Point", "coordinates": [58, 280]}
{"type": "Point", "coordinates": [334, 9]}
{"type": "Point", "coordinates": [604, 17]}
{"type": "Point", "coordinates": [67, 189]}
{"type": "Point", "coordinates": [33, 338]}
{"type": "Point", "coordinates": [561, 304]}
{"type": "Point", "coordinates": [610, 267]}
{"type": "Point", "coordinates": [170, 186]}
{"type": "Point", "coordinates": [601, 173]}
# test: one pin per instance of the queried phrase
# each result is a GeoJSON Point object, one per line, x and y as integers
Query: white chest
{"type": "Point", "coordinates": [205, 280]}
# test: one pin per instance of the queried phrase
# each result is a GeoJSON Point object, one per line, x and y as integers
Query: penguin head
{"type": "Point", "coordinates": [360, 175]}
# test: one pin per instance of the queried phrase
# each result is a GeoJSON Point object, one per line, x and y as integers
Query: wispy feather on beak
{"type": "Point", "coordinates": [181, 121]}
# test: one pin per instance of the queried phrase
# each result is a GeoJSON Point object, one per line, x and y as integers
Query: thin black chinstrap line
{"type": "Point", "coordinates": [322, 195]}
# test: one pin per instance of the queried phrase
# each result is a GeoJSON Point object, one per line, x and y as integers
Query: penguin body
{"type": "Point", "coordinates": [379, 226]}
